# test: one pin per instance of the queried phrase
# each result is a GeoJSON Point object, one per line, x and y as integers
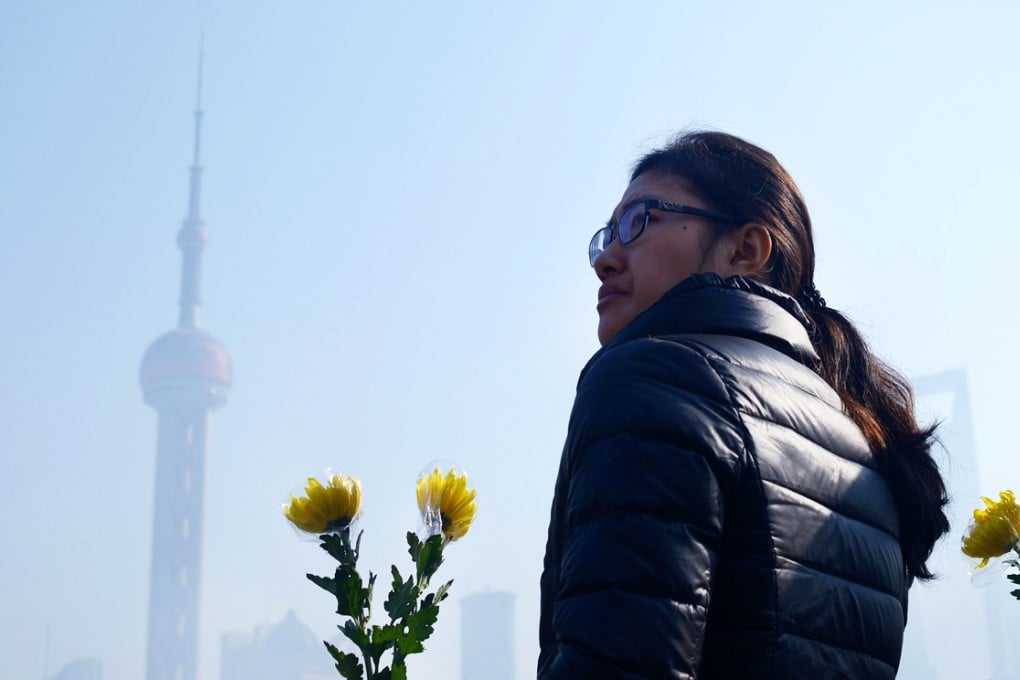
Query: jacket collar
{"type": "Point", "coordinates": [709, 304]}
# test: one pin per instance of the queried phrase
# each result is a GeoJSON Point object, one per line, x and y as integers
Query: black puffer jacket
{"type": "Point", "coordinates": [716, 515]}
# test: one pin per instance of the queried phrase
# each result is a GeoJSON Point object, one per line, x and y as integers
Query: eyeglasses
{"type": "Point", "coordinates": [634, 219]}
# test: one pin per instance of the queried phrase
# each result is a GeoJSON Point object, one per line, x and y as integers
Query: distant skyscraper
{"type": "Point", "coordinates": [185, 374]}
{"type": "Point", "coordinates": [487, 636]}
{"type": "Point", "coordinates": [955, 630]}
{"type": "Point", "coordinates": [82, 669]}
{"type": "Point", "coordinates": [286, 651]}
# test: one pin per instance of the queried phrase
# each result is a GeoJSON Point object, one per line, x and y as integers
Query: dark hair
{"type": "Point", "coordinates": [739, 178]}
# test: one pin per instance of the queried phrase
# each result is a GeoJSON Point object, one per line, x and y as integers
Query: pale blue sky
{"type": "Point", "coordinates": [399, 197]}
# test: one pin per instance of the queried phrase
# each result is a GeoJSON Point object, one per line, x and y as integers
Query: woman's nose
{"type": "Point", "coordinates": [609, 260]}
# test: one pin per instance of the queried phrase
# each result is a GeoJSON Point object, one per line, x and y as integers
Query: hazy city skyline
{"type": "Point", "coordinates": [398, 201]}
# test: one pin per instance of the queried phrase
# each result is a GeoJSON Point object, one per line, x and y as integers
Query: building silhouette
{"type": "Point", "coordinates": [285, 651]}
{"type": "Point", "coordinates": [956, 630]}
{"type": "Point", "coordinates": [185, 373]}
{"type": "Point", "coordinates": [487, 636]}
{"type": "Point", "coordinates": [80, 669]}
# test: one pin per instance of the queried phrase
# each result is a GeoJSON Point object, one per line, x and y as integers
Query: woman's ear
{"type": "Point", "coordinates": [746, 250]}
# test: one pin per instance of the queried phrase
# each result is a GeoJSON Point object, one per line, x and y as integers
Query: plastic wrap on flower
{"type": "Point", "coordinates": [446, 503]}
{"type": "Point", "coordinates": [325, 508]}
{"type": "Point", "coordinates": [995, 529]}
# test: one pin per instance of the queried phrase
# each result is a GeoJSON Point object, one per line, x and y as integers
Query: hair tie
{"type": "Point", "coordinates": [811, 298]}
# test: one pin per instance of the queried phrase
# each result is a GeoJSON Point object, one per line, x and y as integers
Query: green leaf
{"type": "Point", "coordinates": [1015, 593]}
{"type": "Point", "coordinates": [409, 645]}
{"type": "Point", "coordinates": [347, 664]}
{"type": "Point", "coordinates": [418, 628]}
{"type": "Point", "coordinates": [333, 651]}
{"type": "Point", "coordinates": [327, 584]}
{"type": "Point", "coordinates": [399, 671]}
{"type": "Point", "coordinates": [371, 587]}
{"type": "Point", "coordinates": [384, 674]}
{"type": "Point", "coordinates": [420, 623]}
{"type": "Point", "coordinates": [331, 544]}
{"type": "Point", "coordinates": [402, 598]}
{"type": "Point", "coordinates": [384, 634]}
{"type": "Point", "coordinates": [355, 634]}
{"type": "Point", "coordinates": [414, 545]}
{"type": "Point", "coordinates": [339, 547]}
{"type": "Point", "coordinates": [351, 597]}
{"type": "Point", "coordinates": [430, 557]}
{"type": "Point", "coordinates": [443, 591]}
{"type": "Point", "coordinates": [383, 638]}
{"type": "Point", "coordinates": [1015, 578]}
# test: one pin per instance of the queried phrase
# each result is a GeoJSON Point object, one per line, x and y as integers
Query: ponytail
{"type": "Point", "coordinates": [880, 401]}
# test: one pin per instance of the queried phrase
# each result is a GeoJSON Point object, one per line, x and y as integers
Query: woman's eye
{"type": "Point", "coordinates": [631, 222]}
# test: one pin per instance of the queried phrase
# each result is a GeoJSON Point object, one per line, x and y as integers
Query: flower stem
{"type": "Point", "coordinates": [369, 671]}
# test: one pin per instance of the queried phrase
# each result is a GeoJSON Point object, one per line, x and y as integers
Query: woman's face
{"type": "Point", "coordinates": [671, 248]}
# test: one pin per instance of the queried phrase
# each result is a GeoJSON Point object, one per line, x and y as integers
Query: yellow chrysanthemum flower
{"type": "Point", "coordinates": [446, 501]}
{"type": "Point", "coordinates": [995, 529]}
{"type": "Point", "coordinates": [325, 509]}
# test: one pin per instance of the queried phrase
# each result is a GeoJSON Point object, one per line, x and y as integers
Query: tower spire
{"type": "Point", "coordinates": [192, 237]}
{"type": "Point", "coordinates": [196, 162]}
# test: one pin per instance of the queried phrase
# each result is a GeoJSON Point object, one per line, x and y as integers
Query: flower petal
{"type": "Point", "coordinates": [325, 508]}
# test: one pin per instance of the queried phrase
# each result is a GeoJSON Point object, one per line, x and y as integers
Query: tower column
{"type": "Point", "coordinates": [175, 576]}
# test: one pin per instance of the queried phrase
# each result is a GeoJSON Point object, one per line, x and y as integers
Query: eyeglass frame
{"type": "Point", "coordinates": [651, 204]}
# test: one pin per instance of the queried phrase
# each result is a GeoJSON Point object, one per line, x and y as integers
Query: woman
{"type": "Point", "coordinates": [744, 491]}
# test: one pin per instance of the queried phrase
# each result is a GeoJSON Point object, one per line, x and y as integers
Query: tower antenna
{"type": "Point", "coordinates": [192, 236]}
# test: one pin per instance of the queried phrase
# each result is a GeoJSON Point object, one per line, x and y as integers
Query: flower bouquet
{"type": "Point", "coordinates": [329, 510]}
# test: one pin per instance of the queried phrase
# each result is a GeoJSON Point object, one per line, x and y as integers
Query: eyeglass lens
{"type": "Point", "coordinates": [632, 222]}
{"type": "Point", "coordinates": [628, 228]}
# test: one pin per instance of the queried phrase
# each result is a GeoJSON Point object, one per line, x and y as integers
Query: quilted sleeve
{"type": "Point", "coordinates": [652, 446]}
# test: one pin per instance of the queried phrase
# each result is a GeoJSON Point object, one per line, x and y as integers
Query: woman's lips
{"type": "Point", "coordinates": [606, 295]}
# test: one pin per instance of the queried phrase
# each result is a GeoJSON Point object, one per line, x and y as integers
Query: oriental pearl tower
{"type": "Point", "coordinates": [184, 375]}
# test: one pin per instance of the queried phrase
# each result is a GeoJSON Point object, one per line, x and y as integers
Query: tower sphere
{"type": "Point", "coordinates": [186, 360]}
